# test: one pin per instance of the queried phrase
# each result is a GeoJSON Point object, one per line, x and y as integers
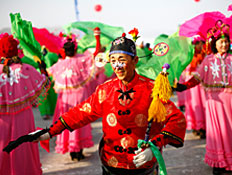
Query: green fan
{"type": "Point", "coordinates": [108, 33]}
{"type": "Point", "coordinates": [22, 30]}
{"type": "Point", "coordinates": [175, 50]}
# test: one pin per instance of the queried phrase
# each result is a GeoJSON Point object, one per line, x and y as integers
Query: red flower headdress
{"type": "Point", "coordinates": [66, 38]}
{"type": "Point", "coordinates": [8, 46]}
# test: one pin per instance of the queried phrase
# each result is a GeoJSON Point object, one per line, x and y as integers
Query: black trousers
{"type": "Point", "coordinates": [118, 171]}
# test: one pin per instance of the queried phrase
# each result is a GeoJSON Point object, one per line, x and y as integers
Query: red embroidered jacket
{"type": "Point", "coordinates": [124, 112]}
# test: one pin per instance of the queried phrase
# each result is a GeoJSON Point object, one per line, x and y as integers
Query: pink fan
{"type": "Point", "coordinates": [51, 42]}
{"type": "Point", "coordinates": [200, 24]}
{"type": "Point", "coordinates": [230, 8]}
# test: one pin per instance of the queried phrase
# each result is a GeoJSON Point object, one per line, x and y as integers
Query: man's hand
{"type": "Point", "coordinates": [142, 157]}
{"type": "Point", "coordinates": [179, 87]}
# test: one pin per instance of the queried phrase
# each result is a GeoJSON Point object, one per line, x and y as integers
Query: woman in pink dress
{"type": "Point", "coordinates": [195, 97]}
{"type": "Point", "coordinates": [215, 74]}
{"type": "Point", "coordinates": [20, 85]}
{"type": "Point", "coordinates": [72, 75]}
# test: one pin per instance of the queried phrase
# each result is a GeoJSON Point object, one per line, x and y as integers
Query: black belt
{"type": "Point", "coordinates": [120, 171]}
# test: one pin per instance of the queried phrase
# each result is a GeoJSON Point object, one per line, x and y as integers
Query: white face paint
{"type": "Point", "coordinates": [118, 64]}
{"type": "Point", "coordinates": [123, 66]}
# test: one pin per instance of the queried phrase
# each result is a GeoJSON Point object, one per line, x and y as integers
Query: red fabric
{"type": "Point", "coordinates": [191, 82]}
{"type": "Point", "coordinates": [124, 119]}
{"type": "Point", "coordinates": [159, 140]}
{"type": "Point", "coordinates": [45, 145]}
{"type": "Point", "coordinates": [62, 53]}
{"type": "Point", "coordinates": [175, 125]}
{"type": "Point", "coordinates": [98, 45]}
{"type": "Point", "coordinates": [57, 128]}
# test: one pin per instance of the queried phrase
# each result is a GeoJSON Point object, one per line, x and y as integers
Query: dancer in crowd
{"type": "Point", "coordinates": [195, 97]}
{"type": "Point", "coordinates": [47, 103]}
{"type": "Point", "coordinates": [36, 45]}
{"type": "Point", "coordinates": [72, 76]}
{"type": "Point", "coordinates": [215, 74]}
{"type": "Point", "coordinates": [123, 104]}
{"type": "Point", "coordinates": [20, 86]}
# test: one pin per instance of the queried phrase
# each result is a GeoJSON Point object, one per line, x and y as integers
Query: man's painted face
{"type": "Point", "coordinates": [222, 45]}
{"type": "Point", "coordinates": [123, 66]}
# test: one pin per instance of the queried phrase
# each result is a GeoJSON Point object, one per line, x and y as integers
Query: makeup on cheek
{"type": "Point", "coordinates": [118, 64]}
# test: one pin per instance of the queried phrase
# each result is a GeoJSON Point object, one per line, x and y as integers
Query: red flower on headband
{"type": "Point", "coordinates": [134, 33]}
{"type": "Point", "coordinates": [68, 38]}
{"type": "Point", "coordinates": [8, 46]}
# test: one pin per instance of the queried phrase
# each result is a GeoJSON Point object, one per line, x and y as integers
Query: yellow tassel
{"type": "Point", "coordinates": [156, 111]}
{"type": "Point", "coordinates": [161, 91]}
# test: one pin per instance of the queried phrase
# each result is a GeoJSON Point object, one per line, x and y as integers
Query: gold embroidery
{"type": "Point", "coordinates": [181, 123]}
{"type": "Point", "coordinates": [65, 124]}
{"type": "Point", "coordinates": [141, 120]}
{"type": "Point", "coordinates": [173, 136]}
{"type": "Point", "coordinates": [169, 108]}
{"type": "Point", "coordinates": [108, 81]}
{"type": "Point", "coordinates": [142, 79]}
{"type": "Point", "coordinates": [113, 162]}
{"type": "Point", "coordinates": [101, 95]}
{"type": "Point", "coordinates": [127, 141]}
{"type": "Point", "coordinates": [86, 108]}
{"type": "Point", "coordinates": [111, 119]}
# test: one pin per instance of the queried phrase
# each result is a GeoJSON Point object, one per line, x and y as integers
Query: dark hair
{"type": "Point", "coordinates": [69, 48]}
{"type": "Point", "coordinates": [6, 68]}
{"type": "Point", "coordinates": [213, 43]}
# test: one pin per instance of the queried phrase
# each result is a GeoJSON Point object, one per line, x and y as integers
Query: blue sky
{"type": "Point", "coordinates": [151, 17]}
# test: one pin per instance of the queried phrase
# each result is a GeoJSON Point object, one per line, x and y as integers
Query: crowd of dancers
{"type": "Point", "coordinates": [66, 84]}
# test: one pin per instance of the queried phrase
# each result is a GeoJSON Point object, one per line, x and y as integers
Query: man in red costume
{"type": "Point", "coordinates": [123, 104]}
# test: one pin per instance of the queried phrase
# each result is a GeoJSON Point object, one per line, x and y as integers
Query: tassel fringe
{"type": "Point", "coordinates": [161, 91]}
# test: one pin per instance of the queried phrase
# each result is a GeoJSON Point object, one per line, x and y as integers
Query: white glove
{"type": "Point", "coordinates": [142, 157]}
{"type": "Point", "coordinates": [45, 136]}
